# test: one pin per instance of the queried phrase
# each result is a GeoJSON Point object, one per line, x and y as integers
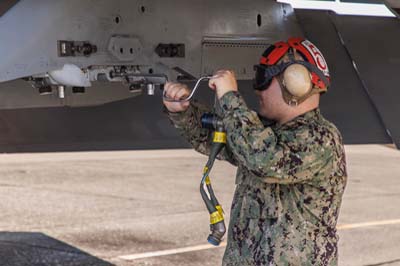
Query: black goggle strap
{"type": "Point", "coordinates": [316, 70]}
{"type": "Point", "coordinates": [274, 70]}
{"type": "Point", "coordinates": [260, 79]}
{"type": "Point", "coordinates": [268, 72]}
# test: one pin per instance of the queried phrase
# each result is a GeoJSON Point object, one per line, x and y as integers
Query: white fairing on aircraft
{"type": "Point", "coordinates": [70, 75]}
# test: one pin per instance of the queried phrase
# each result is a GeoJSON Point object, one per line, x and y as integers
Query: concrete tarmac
{"type": "Point", "coordinates": [132, 207]}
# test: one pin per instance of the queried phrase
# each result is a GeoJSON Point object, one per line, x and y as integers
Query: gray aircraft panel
{"type": "Point", "coordinates": [29, 45]}
{"type": "Point", "coordinates": [215, 35]}
{"type": "Point", "coordinates": [373, 44]}
{"type": "Point", "coordinates": [19, 94]}
{"type": "Point", "coordinates": [346, 103]}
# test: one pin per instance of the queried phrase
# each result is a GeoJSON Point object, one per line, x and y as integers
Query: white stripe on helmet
{"type": "Point", "coordinates": [317, 55]}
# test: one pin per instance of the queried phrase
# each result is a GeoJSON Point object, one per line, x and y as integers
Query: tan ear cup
{"type": "Point", "coordinates": [297, 80]}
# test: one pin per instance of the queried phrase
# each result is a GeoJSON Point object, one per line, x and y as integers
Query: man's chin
{"type": "Point", "coordinates": [265, 114]}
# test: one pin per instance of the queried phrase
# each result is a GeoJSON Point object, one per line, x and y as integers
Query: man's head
{"type": "Point", "coordinates": [273, 106]}
{"type": "Point", "coordinates": [290, 78]}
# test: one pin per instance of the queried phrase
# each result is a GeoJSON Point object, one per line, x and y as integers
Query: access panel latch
{"type": "Point", "coordinates": [75, 48]}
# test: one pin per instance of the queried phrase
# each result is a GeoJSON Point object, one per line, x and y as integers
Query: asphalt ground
{"type": "Point", "coordinates": [144, 208]}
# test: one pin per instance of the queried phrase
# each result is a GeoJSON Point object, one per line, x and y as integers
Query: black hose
{"type": "Point", "coordinates": [217, 224]}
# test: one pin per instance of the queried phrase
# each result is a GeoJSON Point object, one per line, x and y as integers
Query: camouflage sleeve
{"type": "Point", "coordinates": [297, 158]}
{"type": "Point", "coordinates": [188, 124]}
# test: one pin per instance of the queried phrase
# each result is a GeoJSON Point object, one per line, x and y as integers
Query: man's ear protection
{"type": "Point", "coordinates": [299, 79]}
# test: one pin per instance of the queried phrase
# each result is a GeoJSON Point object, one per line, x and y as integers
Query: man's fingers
{"type": "Point", "coordinates": [168, 86]}
{"type": "Point", "coordinates": [222, 73]}
{"type": "Point", "coordinates": [177, 92]}
{"type": "Point", "coordinates": [181, 94]}
{"type": "Point", "coordinates": [170, 89]}
{"type": "Point", "coordinates": [211, 83]}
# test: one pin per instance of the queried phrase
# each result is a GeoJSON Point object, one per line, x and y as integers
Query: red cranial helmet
{"type": "Point", "coordinates": [298, 64]}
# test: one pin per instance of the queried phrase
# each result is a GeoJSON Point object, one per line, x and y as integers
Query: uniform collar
{"type": "Point", "coordinates": [300, 120]}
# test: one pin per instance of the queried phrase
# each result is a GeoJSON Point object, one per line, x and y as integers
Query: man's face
{"type": "Point", "coordinates": [271, 101]}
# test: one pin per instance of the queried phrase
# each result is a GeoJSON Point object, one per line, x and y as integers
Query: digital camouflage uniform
{"type": "Point", "coordinates": [290, 181]}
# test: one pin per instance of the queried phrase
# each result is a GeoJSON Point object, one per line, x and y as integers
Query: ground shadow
{"type": "Point", "coordinates": [34, 249]}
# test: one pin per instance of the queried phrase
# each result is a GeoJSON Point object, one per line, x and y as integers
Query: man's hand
{"type": "Point", "coordinates": [222, 82]}
{"type": "Point", "coordinates": [176, 91]}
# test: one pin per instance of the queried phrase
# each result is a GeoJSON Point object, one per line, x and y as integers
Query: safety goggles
{"type": "Point", "coordinates": [264, 75]}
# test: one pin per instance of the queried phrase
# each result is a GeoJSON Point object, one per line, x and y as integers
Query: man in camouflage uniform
{"type": "Point", "coordinates": [291, 176]}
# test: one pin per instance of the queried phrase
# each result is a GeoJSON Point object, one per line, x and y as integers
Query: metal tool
{"type": "Point", "coordinates": [191, 94]}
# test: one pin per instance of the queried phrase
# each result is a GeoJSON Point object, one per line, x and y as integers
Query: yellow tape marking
{"type": "Point", "coordinates": [216, 217]}
{"type": "Point", "coordinates": [219, 209]}
{"type": "Point", "coordinates": [219, 137]}
{"type": "Point", "coordinates": [205, 169]}
{"type": "Point", "coordinates": [208, 181]}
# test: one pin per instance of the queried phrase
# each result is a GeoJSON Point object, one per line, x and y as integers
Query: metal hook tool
{"type": "Point", "coordinates": [191, 94]}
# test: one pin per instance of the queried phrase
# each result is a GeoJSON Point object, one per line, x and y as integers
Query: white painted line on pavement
{"type": "Point", "coordinates": [367, 224]}
{"type": "Point", "coordinates": [223, 244]}
{"type": "Point", "coordinates": [170, 252]}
